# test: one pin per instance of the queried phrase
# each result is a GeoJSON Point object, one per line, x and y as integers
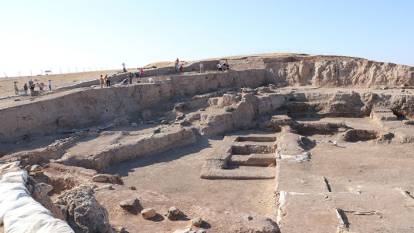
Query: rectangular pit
{"type": "Point", "coordinates": [252, 149]}
{"type": "Point", "coordinates": [255, 139]}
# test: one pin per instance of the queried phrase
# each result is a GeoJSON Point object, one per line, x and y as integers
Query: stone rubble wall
{"type": "Point", "coordinates": [148, 145]}
{"type": "Point", "coordinates": [239, 115]}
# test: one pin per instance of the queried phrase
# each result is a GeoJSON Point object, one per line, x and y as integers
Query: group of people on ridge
{"type": "Point", "coordinates": [223, 65]}
{"type": "Point", "coordinates": [30, 85]}
{"type": "Point", "coordinates": [104, 80]}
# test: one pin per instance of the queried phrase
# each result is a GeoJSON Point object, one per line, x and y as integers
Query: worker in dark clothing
{"type": "Point", "coordinates": [130, 76]}
{"type": "Point", "coordinates": [25, 88]}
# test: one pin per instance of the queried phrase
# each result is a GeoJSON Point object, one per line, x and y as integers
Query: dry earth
{"type": "Point", "coordinates": [58, 80]}
{"type": "Point", "coordinates": [279, 143]}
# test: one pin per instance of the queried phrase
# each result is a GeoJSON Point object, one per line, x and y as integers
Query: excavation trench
{"type": "Point", "coordinates": [255, 139]}
{"type": "Point", "coordinates": [322, 128]}
{"type": "Point", "coordinates": [356, 135]}
{"type": "Point", "coordinates": [175, 162]}
{"type": "Point", "coordinates": [252, 149]}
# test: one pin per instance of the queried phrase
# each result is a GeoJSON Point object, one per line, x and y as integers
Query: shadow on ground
{"type": "Point", "coordinates": [126, 167]}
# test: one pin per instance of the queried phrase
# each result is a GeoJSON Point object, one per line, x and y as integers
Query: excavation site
{"type": "Point", "coordinates": [273, 143]}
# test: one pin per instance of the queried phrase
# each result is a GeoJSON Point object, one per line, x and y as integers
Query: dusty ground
{"type": "Point", "coordinates": [364, 177]}
{"type": "Point", "coordinates": [173, 179]}
{"type": "Point", "coordinates": [369, 182]}
{"type": "Point", "coordinates": [58, 80]}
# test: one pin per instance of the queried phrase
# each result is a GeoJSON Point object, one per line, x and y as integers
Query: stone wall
{"type": "Point", "coordinates": [85, 107]}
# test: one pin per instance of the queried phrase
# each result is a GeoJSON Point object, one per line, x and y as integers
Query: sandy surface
{"type": "Point", "coordinates": [363, 176]}
{"type": "Point", "coordinates": [173, 178]}
{"type": "Point", "coordinates": [58, 80]}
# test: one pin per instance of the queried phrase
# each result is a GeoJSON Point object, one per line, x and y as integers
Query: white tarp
{"type": "Point", "coordinates": [19, 212]}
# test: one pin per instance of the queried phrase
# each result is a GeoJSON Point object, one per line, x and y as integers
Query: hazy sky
{"type": "Point", "coordinates": [68, 35]}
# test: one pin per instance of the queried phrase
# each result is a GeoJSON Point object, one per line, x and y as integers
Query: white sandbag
{"type": "Point", "coordinates": [19, 212]}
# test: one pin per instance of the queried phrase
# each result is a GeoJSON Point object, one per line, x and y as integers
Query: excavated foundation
{"type": "Point", "coordinates": [288, 143]}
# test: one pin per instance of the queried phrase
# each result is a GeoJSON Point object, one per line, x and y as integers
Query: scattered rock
{"type": "Point", "coordinates": [133, 188]}
{"type": "Point", "coordinates": [189, 230]}
{"type": "Point", "coordinates": [197, 222]}
{"type": "Point", "coordinates": [258, 225]}
{"type": "Point", "coordinates": [120, 230]}
{"type": "Point", "coordinates": [186, 230]}
{"type": "Point", "coordinates": [174, 213]}
{"type": "Point", "coordinates": [107, 178]}
{"type": "Point", "coordinates": [157, 130]}
{"type": "Point", "coordinates": [306, 156]}
{"type": "Point", "coordinates": [249, 217]}
{"type": "Point", "coordinates": [84, 213]}
{"type": "Point", "coordinates": [35, 168]}
{"type": "Point", "coordinates": [148, 213]}
{"type": "Point", "coordinates": [131, 205]}
{"type": "Point", "coordinates": [39, 191]}
{"type": "Point", "coordinates": [103, 187]}
{"type": "Point", "coordinates": [42, 188]}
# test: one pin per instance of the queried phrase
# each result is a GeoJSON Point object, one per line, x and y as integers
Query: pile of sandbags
{"type": "Point", "coordinates": [19, 212]}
